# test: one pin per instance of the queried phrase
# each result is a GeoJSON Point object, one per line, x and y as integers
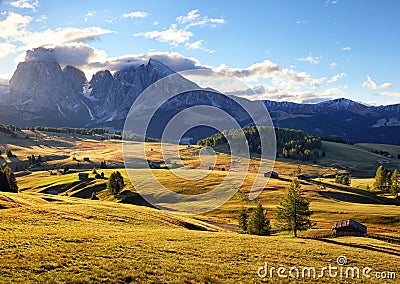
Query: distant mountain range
{"type": "Point", "coordinates": [42, 93]}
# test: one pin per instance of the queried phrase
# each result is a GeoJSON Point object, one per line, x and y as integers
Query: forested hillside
{"type": "Point", "coordinates": [294, 144]}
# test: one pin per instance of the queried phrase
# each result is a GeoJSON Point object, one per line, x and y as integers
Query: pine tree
{"type": "Point", "coordinates": [293, 212]}
{"type": "Point", "coordinates": [258, 223]}
{"type": "Point", "coordinates": [388, 179]}
{"type": "Point", "coordinates": [380, 178]}
{"type": "Point", "coordinates": [12, 181]}
{"type": "Point", "coordinates": [8, 181]}
{"type": "Point", "coordinates": [243, 216]}
{"type": "Point", "coordinates": [395, 187]}
{"type": "Point", "coordinates": [4, 186]}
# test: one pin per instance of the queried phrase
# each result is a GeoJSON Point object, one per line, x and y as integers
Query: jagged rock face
{"type": "Point", "coordinates": [32, 83]}
{"type": "Point", "coordinates": [41, 86]}
{"type": "Point", "coordinates": [100, 84]}
{"type": "Point", "coordinates": [75, 77]}
{"type": "Point", "coordinates": [113, 96]}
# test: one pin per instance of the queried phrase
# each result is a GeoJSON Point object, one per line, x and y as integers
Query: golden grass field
{"type": "Point", "coordinates": [68, 238]}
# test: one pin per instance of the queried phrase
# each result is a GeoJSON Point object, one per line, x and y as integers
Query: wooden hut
{"type": "Point", "coordinates": [271, 174]}
{"type": "Point", "coordinates": [349, 228]}
{"type": "Point", "coordinates": [83, 176]}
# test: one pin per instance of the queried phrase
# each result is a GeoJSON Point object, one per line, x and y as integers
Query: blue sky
{"type": "Point", "coordinates": [299, 50]}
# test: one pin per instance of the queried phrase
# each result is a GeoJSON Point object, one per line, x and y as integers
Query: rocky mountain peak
{"type": "Point", "coordinates": [75, 77]}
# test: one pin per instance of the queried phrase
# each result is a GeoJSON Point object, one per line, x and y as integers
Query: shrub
{"type": "Point", "coordinates": [115, 183]}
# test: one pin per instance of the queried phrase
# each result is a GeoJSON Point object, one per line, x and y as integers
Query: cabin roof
{"type": "Point", "coordinates": [349, 224]}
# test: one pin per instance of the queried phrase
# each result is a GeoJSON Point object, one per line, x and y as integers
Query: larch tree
{"type": "Point", "coordinates": [259, 223]}
{"type": "Point", "coordinates": [395, 186]}
{"type": "Point", "coordinates": [294, 211]}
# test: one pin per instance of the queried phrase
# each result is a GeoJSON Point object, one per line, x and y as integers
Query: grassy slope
{"type": "Point", "coordinates": [82, 241]}
{"type": "Point", "coordinates": [358, 158]}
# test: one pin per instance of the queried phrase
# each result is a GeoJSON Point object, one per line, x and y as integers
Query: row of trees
{"type": "Point", "coordinates": [7, 180]}
{"type": "Point", "coordinates": [387, 181]}
{"type": "Point", "coordinates": [9, 129]}
{"type": "Point", "coordinates": [69, 130]}
{"type": "Point", "coordinates": [294, 144]}
{"type": "Point", "coordinates": [293, 214]}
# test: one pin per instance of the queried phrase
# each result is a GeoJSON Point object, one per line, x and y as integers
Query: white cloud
{"type": "Point", "coordinates": [310, 59]}
{"type": "Point", "coordinates": [6, 49]}
{"type": "Point", "coordinates": [189, 17]}
{"type": "Point", "coordinates": [13, 27]}
{"type": "Point", "coordinates": [193, 18]}
{"type": "Point", "coordinates": [273, 72]}
{"type": "Point", "coordinates": [289, 93]}
{"type": "Point", "coordinates": [25, 4]}
{"type": "Point", "coordinates": [135, 15]}
{"type": "Point", "coordinates": [174, 35]}
{"type": "Point", "coordinates": [336, 77]}
{"type": "Point", "coordinates": [92, 60]}
{"type": "Point", "coordinates": [89, 15]}
{"type": "Point", "coordinates": [195, 45]}
{"type": "Point", "coordinates": [62, 35]}
{"type": "Point", "coordinates": [371, 85]}
{"type": "Point", "coordinates": [302, 22]}
{"type": "Point", "coordinates": [78, 54]}
{"type": "Point", "coordinates": [15, 30]}
{"type": "Point", "coordinates": [347, 48]}
{"type": "Point", "coordinates": [180, 33]}
{"type": "Point", "coordinates": [331, 2]}
{"type": "Point", "coordinates": [333, 65]}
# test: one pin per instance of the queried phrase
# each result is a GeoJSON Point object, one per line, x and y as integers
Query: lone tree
{"type": "Point", "coordinates": [293, 212]}
{"type": "Point", "coordinates": [258, 223]}
{"type": "Point", "coordinates": [8, 181]}
{"type": "Point", "coordinates": [380, 178]}
{"type": "Point", "coordinates": [243, 217]}
{"type": "Point", "coordinates": [115, 183]}
{"type": "Point", "coordinates": [383, 179]}
{"type": "Point", "coordinates": [395, 186]}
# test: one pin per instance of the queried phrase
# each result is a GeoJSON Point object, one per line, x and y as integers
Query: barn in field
{"type": "Point", "coordinates": [349, 228]}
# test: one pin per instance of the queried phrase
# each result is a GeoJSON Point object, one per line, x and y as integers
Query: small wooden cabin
{"type": "Point", "coordinates": [271, 174]}
{"type": "Point", "coordinates": [304, 177]}
{"type": "Point", "coordinates": [349, 228]}
{"type": "Point", "coordinates": [83, 176]}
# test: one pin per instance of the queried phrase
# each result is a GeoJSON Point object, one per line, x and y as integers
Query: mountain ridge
{"type": "Point", "coordinates": [41, 92]}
